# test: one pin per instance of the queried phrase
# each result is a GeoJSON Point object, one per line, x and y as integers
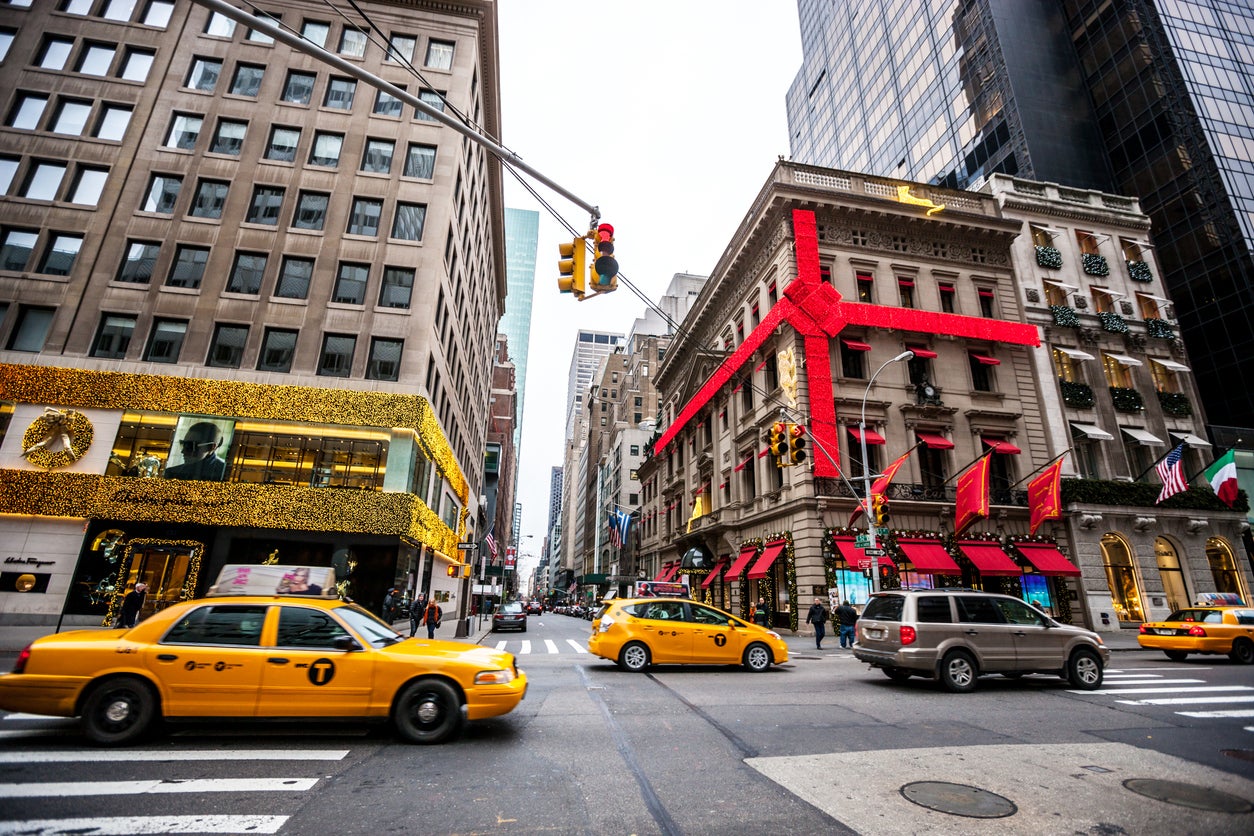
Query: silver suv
{"type": "Point", "coordinates": [957, 635]}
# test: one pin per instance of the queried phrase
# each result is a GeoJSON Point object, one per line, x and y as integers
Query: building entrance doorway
{"type": "Point", "coordinates": [170, 568]}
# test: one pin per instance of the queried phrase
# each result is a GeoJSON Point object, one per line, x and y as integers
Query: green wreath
{"type": "Point", "coordinates": [72, 429]}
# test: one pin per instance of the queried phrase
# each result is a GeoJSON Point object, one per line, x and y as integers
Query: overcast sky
{"type": "Point", "coordinates": [668, 116]}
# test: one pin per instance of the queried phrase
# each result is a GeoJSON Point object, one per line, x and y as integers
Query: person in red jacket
{"type": "Point", "coordinates": [431, 617]}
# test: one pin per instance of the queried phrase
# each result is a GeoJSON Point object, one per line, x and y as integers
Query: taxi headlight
{"type": "Point", "coordinates": [494, 677]}
{"type": "Point", "coordinates": [606, 623]}
{"type": "Point", "coordinates": [774, 635]}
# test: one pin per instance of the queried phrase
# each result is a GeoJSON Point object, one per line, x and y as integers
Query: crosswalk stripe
{"type": "Point", "coordinates": [1187, 700]}
{"type": "Point", "coordinates": [1149, 681]}
{"type": "Point", "coordinates": [1168, 690]}
{"type": "Point", "coordinates": [551, 645]}
{"type": "Point", "coordinates": [578, 647]}
{"type": "Point", "coordinates": [1236, 712]}
{"type": "Point", "coordinates": [22, 716]}
{"type": "Point", "coordinates": [526, 647]}
{"type": "Point", "coordinates": [501, 645]}
{"type": "Point", "coordinates": [92, 755]}
{"type": "Point", "coordinates": [141, 825]}
{"type": "Point", "coordinates": [157, 786]}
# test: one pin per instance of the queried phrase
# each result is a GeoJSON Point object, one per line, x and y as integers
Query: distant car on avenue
{"type": "Point", "coordinates": [535, 608]}
{"type": "Point", "coordinates": [510, 616]}
{"type": "Point", "coordinates": [639, 632]}
{"type": "Point", "coordinates": [257, 656]}
{"type": "Point", "coordinates": [1204, 630]}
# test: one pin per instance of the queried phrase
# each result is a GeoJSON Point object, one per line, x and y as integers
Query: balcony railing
{"type": "Point", "coordinates": [916, 492]}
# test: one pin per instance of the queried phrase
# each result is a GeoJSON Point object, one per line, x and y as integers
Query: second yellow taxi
{"type": "Point", "coordinates": [639, 632]}
{"type": "Point", "coordinates": [1227, 630]}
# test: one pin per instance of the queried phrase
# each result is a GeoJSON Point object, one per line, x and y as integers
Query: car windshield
{"type": "Point", "coordinates": [368, 626]}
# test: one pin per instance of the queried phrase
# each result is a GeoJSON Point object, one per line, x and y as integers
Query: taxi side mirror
{"type": "Point", "coordinates": [346, 643]}
{"type": "Point", "coordinates": [731, 624]}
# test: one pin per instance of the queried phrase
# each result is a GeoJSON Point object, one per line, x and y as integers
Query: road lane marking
{"type": "Point", "coordinates": [21, 716]}
{"type": "Point", "coordinates": [1147, 681]}
{"type": "Point", "coordinates": [66, 789]}
{"type": "Point", "coordinates": [1236, 712]}
{"type": "Point", "coordinates": [526, 647]}
{"type": "Point", "coordinates": [1186, 700]}
{"type": "Point", "coordinates": [551, 645]}
{"type": "Point", "coordinates": [1169, 690]}
{"type": "Point", "coordinates": [578, 647]}
{"type": "Point", "coordinates": [141, 825]}
{"type": "Point", "coordinates": [93, 755]}
{"type": "Point", "coordinates": [501, 645]}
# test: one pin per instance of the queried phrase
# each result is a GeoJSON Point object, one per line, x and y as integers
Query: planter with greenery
{"type": "Point", "coordinates": [1144, 494]}
{"type": "Point", "coordinates": [1064, 316]}
{"type": "Point", "coordinates": [1077, 395]}
{"type": "Point", "coordinates": [1095, 264]}
{"type": "Point", "coordinates": [1126, 400]}
{"type": "Point", "coordinates": [1140, 272]}
{"type": "Point", "coordinates": [1160, 329]}
{"type": "Point", "coordinates": [1048, 257]}
{"type": "Point", "coordinates": [1175, 403]}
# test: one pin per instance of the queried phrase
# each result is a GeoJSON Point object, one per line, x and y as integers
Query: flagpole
{"type": "Point", "coordinates": [963, 469]}
{"type": "Point", "coordinates": [1042, 467]}
{"type": "Point", "coordinates": [1146, 471]}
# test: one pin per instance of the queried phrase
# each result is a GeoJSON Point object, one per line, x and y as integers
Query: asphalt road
{"type": "Point", "coordinates": [821, 745]}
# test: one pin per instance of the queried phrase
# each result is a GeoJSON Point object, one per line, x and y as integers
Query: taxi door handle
{"type": "Point", "coordinates": [277, 660]}
{"type": "Point", "coordinates": [972, 632]}
{"type": "Point", "coordinates": [166, 657]}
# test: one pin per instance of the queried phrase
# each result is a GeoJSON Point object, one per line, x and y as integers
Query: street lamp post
{"type": "Point", "coordinates": [866, 474]}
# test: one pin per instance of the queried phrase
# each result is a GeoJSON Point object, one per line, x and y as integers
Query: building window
{"type": "Point", "coordinates": [905, 291]}
{"type": "Point", "coordinates": [340, 92]}
{"type": "Point", "coordinates": [385, 104]}
{"type": "Point", "coordinates": [277, 348]}
{"type": "Point", "coordinates": [44, 181]}
{"type": "Point", "coordinates": [6, 41]}
{"type": "Point", "coordinates": [31, 329]}
{"type": "Point", "coordinates": [853, 360]}
{"type": "Point", "coordinates": [157, 13]}
{"type": "Point", "coordinates": [265, 205]}
{"type": "Point", "coordinates": [113, 122]}
{"type": "Point", "coordinates": [184, 131]}
{"type": "Point", "coordinates": [316, 32]}
{"type": "Point", "coordinates": [88, 185]}
{"type": "Point", "coordinates": [26, 112]}
{"type": "Point", "coordinates": [947, 295]}
{"type": "Point", "coordinates": [227, 349]}
{"type": "Point", "coordinates": [16, 250]}
{"type": "Point", "coordinates": [58, 258]}
{"type": "Point", "coordinates": [8, 169]}
{"type": "Point", "coordinates": [981, 371]}
{"type": "Point", "coordinates": [1103, 300]}
{"type": "Point", "coordinates": [282, 144]}
{"type": "Point", "coordinates": [353, 42]}
{"type": "Point", "coordinates": [326, 149]}
{"type": "Point", "coordinates": [163, 192]}
{"type": "Point", "coordinates": [430, 97]}
{"type": "Point", "coordinates": [337, 355]}
{"type": "Point", "coordinates": [54, 53]}
{"type": "Point", "coordinates": [204, 74]}
{"type": "Point", "coordinates": [113, 336]}
{"type": "Point", "coordinates": [397, 287]}
{"type": "Point", "coordinates": [378, 155]}
{"type": "Point", "coordinates": [385, 359]}
{"type": "Point", "coordinates": [220, 26]}
{"type": "Point", "coordinates": [439, 55]}
{"type": "Point", "coordinates": [229, 137]}
{"type": "Point", "coordinates": [166, 341]}
{"type": "Point", "coordinates": [986, 302]}
{"type": "Point", "coordinates": [420, 161]}
{"type": "Point", "coordinates": [137, 263]}
{"type": "Point", "coordinates": [401, 48]}
{"type": "Point", "coordinates": [298, 89]}
{"type": "Point", "coordinates": [247, 273]}
{"type": "Point", "coordinates": [259, 37]}
{"type": "Point", "coordinates": [311, 210]}
{"type": "Point", "coordinates": [1165, 379]}
{"type": "Point", "coordinates": [247, 80]}
{"type": "Point", "coordinates": [920, 368]}
{"type": "Point", "coordinates": [364, 219]}
{"type": "Point", "coordinates": [210, 199]}
{"type": "Point", "coordinates": [70, 117]}
{"type": "Point", "coordinates": [294, 278]}
{"type": "Point", "coordinates": [1118, 374]}
{"type": "Point", "coordinates": [188, 268]}
{"type": "Point", "coordinates": [96, 59]}
{"type": "Point", "coordinates": [1066, 367]}
{"type": "Point", "coordinates": [409, 221]}
{"type": "Point", "coordinates": [136, 64]}
{"type": "Point", "coordinates": [350, 284]}
{"type": "Point", "coordinates": [866, 287]}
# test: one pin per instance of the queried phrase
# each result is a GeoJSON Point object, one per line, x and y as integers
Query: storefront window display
{"type": "Point", "coordinates": [851, 585]}
{"type": "Point", "coordinates": [1125, 590]}
{"type": "Point", "coordinates": [1223, 568]}
{"type": "Point", "coordinates": [1174, 588]}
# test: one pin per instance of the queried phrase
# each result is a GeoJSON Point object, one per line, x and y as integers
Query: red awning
{"type": "Point", "coordinates": [763, 566]}
{"type": "Point", "coordinates": [936, 442]}
{"type": "Point", "coordinates": [1047, 559]}
{"type": "Point", "coordinates": [989, 558]}
{"type": "Point", "coordinates": [872, 437]}
{"type": "Point", "coordinates": [985, 359]}
{"type": "Point", "coordinates": [1003, 447]}
{"type": "Point", "coordinates": [905, 283]}
{"type": "Point", "coordinates": [855, 345]}
{"type": "Point", "coordinates": [671, 570]}
{"type": "Point", "coordinates": [921, 352]}
{"type": "Point", "coordinates": [929, 557]}
{"type": "Point", "coordinates": [714, 573]}
{"type": "Point", "coordinates": [742, 560]}
{"type": "Point", "coordinates": [854, 556]}
{"type": "Point", "coordinates": [661, 575]}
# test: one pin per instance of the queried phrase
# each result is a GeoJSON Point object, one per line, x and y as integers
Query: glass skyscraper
{"type": "Point", "coordinates": [522, 240]}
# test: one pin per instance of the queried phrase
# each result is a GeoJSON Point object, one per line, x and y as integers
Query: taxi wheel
{"type": "Point", "coordinates": [119, 711]}
{"type": "Point", "coordinates": [757, 657]}
{"type": "Point", "coordinates": [427, 711]}
{"type": "Point", "coordinates": [634, 658]}
{"type": "Point", "coordinates": [958, 672]}
{"type": "Point", "coordinates": [1084, 670]}
{"type": "Point", "coordinates": [1242, 652]}
{"type": "Point", "coordinates": [1176, 655]}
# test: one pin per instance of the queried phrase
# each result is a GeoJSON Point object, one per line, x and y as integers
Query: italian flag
{"type": "Point", "coordinates": [1223, 477]}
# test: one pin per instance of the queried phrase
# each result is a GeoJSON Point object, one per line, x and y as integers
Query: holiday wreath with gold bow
{"type": "Point", "coordinates": [57, 438]}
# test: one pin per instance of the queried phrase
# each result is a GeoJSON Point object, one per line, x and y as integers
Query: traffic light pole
{"type": "Point", "coordinates": [866, 476]}
{"type": "Point", "coordinates": [506, 156]}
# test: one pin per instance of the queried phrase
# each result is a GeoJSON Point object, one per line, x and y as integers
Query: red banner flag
{"type": "Point", "coordinates": [972, 496]}
{"type": "Point", "coordinates": [881, 484]}
{"type": "Point", "coordinates": [1045, 496]}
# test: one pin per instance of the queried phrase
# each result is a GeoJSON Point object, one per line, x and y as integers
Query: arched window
{"type": "Point", "coordinates": [1223, 567]}
{"type": "Point", "coordinates": [1175, 588]}
{"type": "Point", "coordinates": [1125, 589]}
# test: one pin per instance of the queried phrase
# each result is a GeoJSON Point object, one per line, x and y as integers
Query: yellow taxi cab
{"type": "Point", "coordinates": [283, 655]}
{"type": "Point", "coordinates": [1201, 629]}
{"type": "Point", "coordinates": [638, 632]}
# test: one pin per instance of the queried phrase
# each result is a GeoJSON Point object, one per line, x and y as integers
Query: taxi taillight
{"type": "Point", "coordinates": [20, 665]}
{"type": "Point", "coordinates": [908, 635]}
{"type": "Point", "coordinates": [1143, 630]}
{"type": "Point", "coordinates": [1197, 630]}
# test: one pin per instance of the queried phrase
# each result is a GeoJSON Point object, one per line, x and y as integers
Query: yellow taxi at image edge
{"type": "Point", "coordinates": [261, 657]}
{"type": "Point", "coordinates": [639, 632]}
{"type": "Point", "coordinates": [1204, 630]}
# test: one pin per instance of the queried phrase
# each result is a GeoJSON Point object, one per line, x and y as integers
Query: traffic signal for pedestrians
{"type": "Point", "coordinates": [879, 505]}
{"type": "Point", "coordinates": [796, 443]}
{"type": "Point", "coordinates": [572, 268]}
{"type": "Point", "coordinates": [604, 275]}
{"type": "Point", "coordinates": [777, 441]}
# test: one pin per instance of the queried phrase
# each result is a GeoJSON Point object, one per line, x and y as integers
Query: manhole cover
{"type": "Point", "coordinates": [1239, 754]}
{"type": "Point", "coordinates": [1188, 795]}
{"type": "Point", "coordinates": [958, 800]}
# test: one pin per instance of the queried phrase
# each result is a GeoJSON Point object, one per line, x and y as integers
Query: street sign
{"type": "Point", "coordinates": [882, 532]}
{"type": "Point", "coordinates": [862, 541]}
{"type": "Point", "coordinates": [864, 563]}
{"type": "Point", "coordinates": [467, 547]}
{"type": "Point", "coordinates": [873, 552]}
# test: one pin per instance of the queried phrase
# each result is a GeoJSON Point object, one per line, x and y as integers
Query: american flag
{"type": "Point", "coordinates": [1171, 471]}
{"type": "Point", "coordinates": [620, 524]}
{"type": "Point", "coordinates": [490, 541]}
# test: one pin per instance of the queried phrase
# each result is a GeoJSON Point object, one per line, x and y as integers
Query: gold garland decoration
{"type": "Point", "coordinates": [72, 429]}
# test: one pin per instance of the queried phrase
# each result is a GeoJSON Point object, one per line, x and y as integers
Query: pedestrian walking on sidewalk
{"type": "Point", "coordinates": [416, 610]}
{"type": "Point", "coordinates": [847, 617]}
{"type": "Point", "coordinates": [760, 615]}
{"type": "Point", "coordinates": [431, 616]}
{"type": "Point", "coordinates": [132, 604]}
{"type": "Point", "coordinates": [818, 617]}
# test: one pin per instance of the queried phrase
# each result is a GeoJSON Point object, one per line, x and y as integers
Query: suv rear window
{"type": "Point", "coordinates": [885, 608]}
{"type": "Point", "coordinates": [934, 609]}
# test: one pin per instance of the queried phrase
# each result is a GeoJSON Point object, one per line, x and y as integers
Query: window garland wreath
{"type": "Point", "coordinates": [72, 430]}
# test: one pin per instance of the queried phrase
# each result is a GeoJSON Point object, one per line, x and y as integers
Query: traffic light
{"type": "Point", "coordinates": [796, 443]}
{"type": "Point", "coordinates": [777, 442]}
{"type": "Point", "coordinates": [573, 268]}
{"type": "Point", "coordinates": [604, 275]}
{"type": "Point", "coordinates": [879, 505]}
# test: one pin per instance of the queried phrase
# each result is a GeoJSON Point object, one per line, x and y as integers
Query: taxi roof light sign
{"type": "Point", "coordinates": [251, 579]}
